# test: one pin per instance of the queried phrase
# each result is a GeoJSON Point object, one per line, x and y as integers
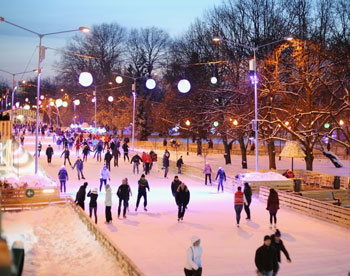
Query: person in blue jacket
{"type": "Point", "coordinates": [63, 177]}
{"type": "Point", "coordinates": [80, 166]}
{"type": "Point", "coordinates": [222, 177]}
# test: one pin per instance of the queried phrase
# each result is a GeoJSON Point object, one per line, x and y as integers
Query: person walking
{"type": "Point", "coordinates": [80, 166]}
{"type": "Point", "coordinates": [108, 203]}
{"type": "Point", "coordinates": [143, 185]}
{"type": "Point", "coordinates": [93, 203]}
{"type": "Point", "coordinates": [174, 185]}
{"type": "Point", "coordinates": [266, 258]}
{"type": "Point", "coordinates": [179, 164]}
{"type": "Point", "coordinates": [222, 177]}
{"type": "Point", "coordinates": [182, 200]}
{"type": "Point", "coordinates": [273, 206]}
{"type": "Point", "coordinates": [239, 201]}
{"type": "Point", "coordinates": [166, 162]}
{"type": "Point", "coordinates": [63, 177]}
{"type": "Point", "coordinates": [123, 193]}
{"type": "Point", "coordinates": [66, 156]}
{"type": "Point", "coordinates": [49, 153]}
{"type": "Point", "coordinates": [277, 243]}
{"type": "Point", "coordinates": [193, 264]}
{"type": "Point", "coordinates": [40, 146]}
{"type": "Point", "coordinates": [207, 171]}
{"type": "Point", "coordinates": [126, 151]}
{"type": "Point", "coordinates": [104, 175]}
{"type": "Point", "coordinates": [247, 199]}
{"type": "Point", "coordinates": [116, 155]}
{"type": "Point", "coordinates": [80, 197]}
{"type": "Point", "coordinates": [136, 159]}
{"type": "Point", "coordinates": [108, 158]}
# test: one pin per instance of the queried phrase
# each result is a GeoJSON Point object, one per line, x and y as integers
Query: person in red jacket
{"type": "Point", "coordinates": [239, 201]}
{"type": "Point", "coordinates": [273, 204]}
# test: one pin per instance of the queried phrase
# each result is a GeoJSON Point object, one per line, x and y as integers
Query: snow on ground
{"type": "Point", "coordinates": [58, 243]}
{"type": "Point", "coordinates": [157, 243]}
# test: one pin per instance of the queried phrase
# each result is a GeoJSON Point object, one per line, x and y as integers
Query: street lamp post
{"type": "Point", "coordinates": [40, 59]}
{"type": "Point", "coordinates": [188, 123]}
{"type": "Point", "coordinates": [254, 80]}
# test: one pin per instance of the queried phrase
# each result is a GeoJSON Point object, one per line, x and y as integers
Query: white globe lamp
{"type": "Point", "coordinates": [85, 79]}
{"type": "Point", "coordinates": [184, 86]}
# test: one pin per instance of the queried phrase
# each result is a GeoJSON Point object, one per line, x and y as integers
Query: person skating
{"type": "Point", "coordinates": [66, 156]}
{"type": "Point", "coordinates": [108, 158]}
{"type": "Point", "coordinates": [193, 264]}
{"type": "Point", "coordinates": [143, 185]}
{"type": "Point", "coordinates": [247, 199]}
{"type": "Point", "coordinates": [49, 153]}
{"type": "Point", "coordinates": [63, 177]}
{"type": "Point", "coordinates": [266, 258]}
{"type": "Point", "coordinates": [182, 200]}
{"type": "Point", "coordinates": [80, 166]}
{"type": "Point", "coordinates": [126, 151]}
{"type": "Point", "coordinates": [166, 162]}
{"type": "Point", "coordinates": [273, 206]}
{"type": "Point", "coordinates": [207, 171]}
{"type": "Point", "coordinates": [239, 201]}
{"type": "Point", "coordinates": [116, 155]}
{"type": "Point", "coordinates": [174, 185]}
{"type": "Point", "coordinates": [98, 152]}
{"type": "Point", "coordinates": [77, 146]}
{"type": "Point", "coordinates": [104, 175]}
{"type": "Point", "coordinates": [179, 164]}
{"type": "Point", "coordinates": [40, 146]}
{"type": "Point", "coordinates": [154, 158]}
{"type": "Point", "coordinates": [277, 243]}
{"type": "Point", "coordinates": [80, 197]}
{"type": "Point", "coordinates": [93, 203]}
{"type": "Point", "coordinates": [222, 177]}
{"type": "Point", "coordinates": [22, 140]}
{"type": "Point", "coordinates": [124, 193]}
{"type": "Point", "coordinates": [147, 161]}
{"type": "Point", "coordinates": [108, 203]}
{"type": "Point", "coordinates": [86, 150]}
{"type": "Point", "coordinates": [136, 159]}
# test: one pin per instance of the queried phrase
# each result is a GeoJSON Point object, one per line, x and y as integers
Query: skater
{"type": "Point", "coordinates": [116, 155]}
{"type": "Point", "coordinates": [247, 199]}
{"type": "Point", "coordinates": [40, 146]}
{"type": "Point", "coordinates": [182, 200]}
{"type": "Point", "coordinates": [63, 177]}
{"type": "Point", "coordinates": [66, 156]}
{"type": "Point", "coordinates": [108, 158]}
{"type": "Point", "coordinates": [93, 203]}
{"type": "Point", "coordinates": [147, 162]}
{"type": "Point", "coordinates": [193, 266]}
{"type": "Point", "coordinates": [22, 140]}
{"type": "Point", "coordinates": [165, 142]}
{"type": "Point", "coordinates": [222, 177]}
{"type": "Point", "coordinates": [154, 158]}
{"type": "Point", "coordinates": [179, 164]}
{"type": "Point", "coordinates": [86, 150]}
{"type": "Point", "coordinates": [126, 151]}
{"type": "Point", "coordinates": [58, 143]}
{"type": "Point", "coordinates": [266, 258]}
{"type": "Point", "coordinates": [273, 206]}
{"type": "Point", "coordinates": [207, 171]}
{"type": "Point", "coordinates": [210, 144]}
{"type": "Point", "coordinates": [123, 193]}
{"type": "Point", "coordinates": [277, 243]}
{"type": "Point", "coordinates": [239, 201]}
{"type": "Point", "coordinates": [80, 197]}
{"type": "Point", "coordinates": [108, 203]}
{"type": "Point", "coordinates": [77, 146]}
{"type": "Point", "coordinates": [174, 185]}
{"type": "Point", "coordinates": [166, 157]}
{"type": "Point", "coordinates": [49, 153]}
{"type": "Point", "coordinates": [104, 175]}
{"type": "Point", "coordinates": [143, 185]}
{"type": "Point", "coordinates": [98, 152]}
{"type": "Point", "coordinates": [80, 166]}
{"type": "Point", "coordinates": [136, 159]}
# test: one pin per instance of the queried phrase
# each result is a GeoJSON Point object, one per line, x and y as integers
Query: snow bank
{"type": "Point", "coordinates": [257, 176]}
{"type": "Point", "coordinates": [57, 242]}
{"type": "Point", "coordinates": [28, 180]}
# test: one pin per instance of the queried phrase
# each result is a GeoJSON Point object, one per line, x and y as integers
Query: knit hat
{"type": "Point", "coordinates": [194, 239]}
{"type": "Point", "coordinates": [63, 167]}
{"type": "Point", "coordinates": [125, 181]}
{"type": "Point", "coordinates": [107, 186]}
{"type": "Point", "coordinates": [94, 190]}
{"type": "Point", "coordinates": [278, 233]}
{"type": "Point", "coordinates": [142, 175]}
{"type": "Point", "coordinates": [267, 238]}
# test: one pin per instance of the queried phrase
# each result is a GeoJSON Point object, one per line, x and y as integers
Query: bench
{"type": "Point", "coordinates": [326, 196]}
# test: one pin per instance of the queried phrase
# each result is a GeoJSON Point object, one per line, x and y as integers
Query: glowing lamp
{"type": "Point", "coordinates": [119, 79]}
{"type": "Point", "coordinates": [213, 80]}
{"type": "Point", "coordinates": [76, 102]}
{"type": "Point", "coordinates": [216, 124]}
{"type": "Point", "coordinates": [341, 122]}
{"type": "Point", "coordinates": [110, 99]}
{"type": "Point", "coordinates": [59, 102]}
{"type": "Point", "coordinates": [85, 79]}
{"type": "Point", "coordinates": [150, 83]}
{"type": "Point", "coordinates": [93, 99]}
{"type": "Point", "coordinates": [52, 103]}
{"type": "Point", "coordinates": [326, 125]}
{"type": "Point", "coordinates": [64, 104]}
{"type": "Point", "coordinates": [235, 122]}
{"type": "Point", "coordinates": [184, 86]}
{"type": "Point", "coordinates": [42, 97]}
{"type": "Point", "coordinates": [188, 123]}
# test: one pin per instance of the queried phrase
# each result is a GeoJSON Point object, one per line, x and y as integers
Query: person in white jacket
{"type": "Point", "coordinates": [108, 203]}
{"type": "Point", "coordinates": [104, 175]}
{"type": "Point", "coordinates": [193, 265]}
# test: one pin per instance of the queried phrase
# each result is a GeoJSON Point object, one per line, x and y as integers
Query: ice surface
{"type": "Point", "coordinates": [262, 176]}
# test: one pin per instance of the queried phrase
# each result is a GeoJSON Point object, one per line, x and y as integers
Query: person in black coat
{"type": "Point", "coordinates": [174, 185]}
{"type": "Point", "coordinates": [93, 202]}
{"type": "Point", "coordinates": [277, 243]}
{"type": "Point", "coordinates": [49, 153]}
{"type": "Point", "coordinates": [266, 258]}
{"type": "Point", "coordinates": [126, 151]}
{"type": "Point", "coordinates": [86, 151]}
{"type": "Point", "coordinates": [136, 159]}
{"type": "Point", "coordinates": [66, 156]}
{"type": "Point", "coordinates": [179, 164]}
{"type": "Point", "coordinates": [247, 199]}
{"type": "Point", "coordinates": [116, 155]}
{"type": "Point", "coordinates": [108, 158]}
{"type": "Point", "coordinates": [80, 197]}
{"type": "Point", "coordinates": [123, 193]}
{"type": "Point", "coordinates": [182, 200]}
{"type": "Point", "coordinates": [142, 192]}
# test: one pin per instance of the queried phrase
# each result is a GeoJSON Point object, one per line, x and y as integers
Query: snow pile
{"type": "Point", "coordinates": [37, 181]}
{"type": "Point", "coordinates": [257, 176]}
{"type": "Point", "coordinates": [57, 242]}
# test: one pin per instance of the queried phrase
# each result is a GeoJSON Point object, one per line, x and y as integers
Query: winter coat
{"type": "Point", "coordinates": [147, 159]}
{"type": "Point", "coordinates": [125, 147]}
{"type": "Point", "coordinates": [239, 198]}
{"type": "Point", "coordinates": [174, 186]}
{"type": "Point", "coordinates": [279, 247]}
{"type": "Point", "coordinates": [80, 197]}
{"type": "Point", "coordinates": [179, 163]}
{"type": "Point", "coordinates": [65, 153]}
{"type": "Point", "coordinates": [136, 159]}
{"type": "Point", "coordinates": [124, 192]}
{"type": "Point", "coordinates": [63, 175]}
{"type": "Point", "coordinates": [273, 203]}
{"type": "Point", "coordinates": [143, 185]}
{"type": "Point", "coordinates": [77, 145]}
{"type": "Point", "coordinates": [116, 152]}
{"type": "Point", "coordinates": [99, 148]}
{"type": "Point", "coordinates": [108, 199]}
{"type": "Point", "coordinates": [193, 258]}
{"type": "Point", "coordinates": [248, 193]}
{"type": "Point", "coordinates": [166, 157]}
{"type": "Point", "coordinates": [153, 156]}
{"type": "Point", "coordinates": [108, 157]}
{"type": "Point", "coordinates": [79, 164]}
{"type": "Point", "coordinates": [93, 199]}
{"type": "Point", "coordinates": [207, 169]}
{"type": "Point", "coordinates": [104, 174]}
{"type": "Point", "coordinates": [182, 196]}
{"type": "Point", "coordinates": [49, 151]}
{"type": "Point", "coordinates": [266, 258]}
{"type": "Point", "coordinates": [58, 142]}
{"type": "Point", "coordinates": [221, 174]}
{"type": "Point", "coordinates": [86, 150]}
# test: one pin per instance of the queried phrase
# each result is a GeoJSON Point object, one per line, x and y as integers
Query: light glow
{"type": "Point", "coordinates": [85, 79]}
{"type": "Point", "coordinates": [150, 83]}
{"type": "Point", "coordinates": [184, 86]}
{"type": "Point", "coordinates": [119, 79]}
